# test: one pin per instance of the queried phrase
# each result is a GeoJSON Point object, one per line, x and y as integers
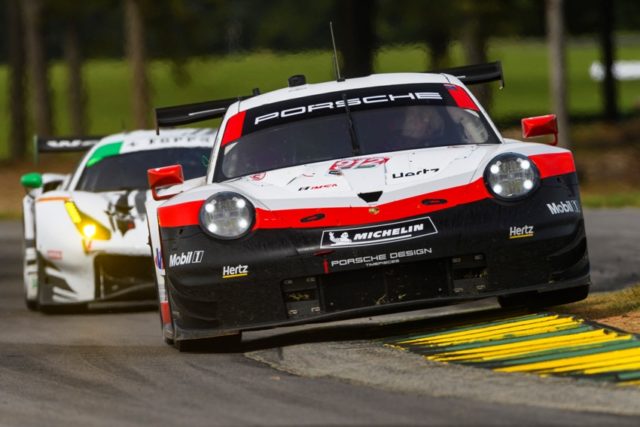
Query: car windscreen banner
{"type": "Point", "coordinates": [325, 104]}
{"type": "Point", "coordinates": [64, 143]}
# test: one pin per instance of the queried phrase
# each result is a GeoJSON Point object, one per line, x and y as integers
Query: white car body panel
{"type": "Point", "coordinates": [57, 239]}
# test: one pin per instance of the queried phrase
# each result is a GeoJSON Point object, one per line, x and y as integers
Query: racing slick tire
{"type": "Point", "coordinates": [535, 300]}
{"type": "Point", "coordinates": [31, 304]}
{"type": "Point", "coordinates": [34, 305]}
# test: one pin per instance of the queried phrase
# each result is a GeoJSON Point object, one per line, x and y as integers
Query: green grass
{"type": "Point", "coordinates": [605, 304]}
{"type": "Point", "coordinates": [611, 200]}
{"type": "Point", "coordinates": [525, 65]}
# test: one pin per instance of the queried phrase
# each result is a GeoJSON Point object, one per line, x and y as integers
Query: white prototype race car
{"type": "Point", "coordinates": [86, 234]}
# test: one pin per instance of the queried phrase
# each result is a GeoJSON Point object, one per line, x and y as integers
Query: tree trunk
{"type": "Point", "coordinates": [135, 47]}
{"type": "Point", "coordinates": [358, 38]}
{"type": "Point", "coordinates": [75, 82]}
{"type": "Point", "coordinates": [609, 91]}
{"type": "Point", "coordinates": [38, 70]}
{"type": "Point", "coordinates": [474, 43]}
{"type": "Point", "coordinates": [557, 68]}
{"type": "Point", "coordinates": [16, 82]}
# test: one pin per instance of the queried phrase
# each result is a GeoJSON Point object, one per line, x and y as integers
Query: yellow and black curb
{"type": "Point", "coordinates": [541, 343]}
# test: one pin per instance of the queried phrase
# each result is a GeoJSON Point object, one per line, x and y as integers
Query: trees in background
{"type": "Point", "coordinates": [609, 92]}
{"type": "Point", "coordinates": [137, 57]}
{"type": "Point", "coordinates": [356, 36]}
{"type": "Point", "coordinates": [558, 68]}
{"type": "Point", "coordinates": [17, 105]}
{"type": "Point", "coordinates": [38, 70]}
{"type": "Point", "coordinates": [176, 30]}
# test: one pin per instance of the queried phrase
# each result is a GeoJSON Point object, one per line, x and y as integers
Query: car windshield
{"type": "Point", "coordinates": [329, 137]}
{"type": "Point", "coordinates": [129, 171]}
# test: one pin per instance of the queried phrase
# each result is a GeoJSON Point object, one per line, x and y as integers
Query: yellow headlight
{"type": "Point", "coordinates": [88, 227]}
{"type": "Point", "coordinates": [73, 212]}
{"type": "Point", "coordinates": [89, 230]}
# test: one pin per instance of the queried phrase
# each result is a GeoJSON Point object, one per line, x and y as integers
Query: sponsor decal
{"type": "Point", "coordinates": [381, 259]}
{"type": "Point", "coordinates": [351, 102]}
{"type": "Point", "coordinates": [387, 233]}
{"type": "Point", "coordinates": [54, 254]}
{"type": "Point", "coordinates": [424, 171]}
{"type": "Point", "coordinates": [520, 232]}
{"type": "Point", "coordinates": [119, 213]}
{"type": "Point", "coordinates": [184, 258]}
{"type": "Point", "coordinates": [568, 206]}
{"type": "Point", "coordinates": [158, 258]}
{"type": "Point", "coordinates": [240, 270]}
{"type": "Point", "coordinates": [317, 187]}
{"type": "Point", "coordinates": [362, 163]}
{"type": "Point", "coordinates": [71, 143]}
{"type": "Point", "coordinates": [257, 176]}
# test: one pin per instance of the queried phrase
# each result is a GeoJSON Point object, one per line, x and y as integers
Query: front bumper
{"type": "Point", "coordinates": [116, 281]}
{"type": "Point", "coordinates": [283, 277]}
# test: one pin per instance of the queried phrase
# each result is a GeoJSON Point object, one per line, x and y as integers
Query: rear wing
{"type": "Point", "coordinates": [476, 74]}
{"type": "Point", "coordinates": [63, 144]}
{"type": "Point", "coordinates": [191, 113]}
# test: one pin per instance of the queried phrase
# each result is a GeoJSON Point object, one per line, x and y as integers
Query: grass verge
{"type": "Point", "coordinates": [610, 200]}
{"type": "Point", "coordinates": [620, 309]}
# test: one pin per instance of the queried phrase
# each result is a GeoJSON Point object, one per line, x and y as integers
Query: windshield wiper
{"type": "Point", "coordinates": [355, 144]}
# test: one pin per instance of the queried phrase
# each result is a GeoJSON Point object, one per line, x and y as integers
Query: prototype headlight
{"type": "Point", "coordinates": [89, 228]}
{"type": "Point", "coordinates": [227, 215]}
{"type": "Point", "coordinates": [511, 176]}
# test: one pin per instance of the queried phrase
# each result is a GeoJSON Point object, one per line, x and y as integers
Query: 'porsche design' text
{"type": "Point", "coordinates": [381, 259]}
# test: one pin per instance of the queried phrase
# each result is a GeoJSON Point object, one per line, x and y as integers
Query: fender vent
{"type": "Point", "coordinates": [374, 196]}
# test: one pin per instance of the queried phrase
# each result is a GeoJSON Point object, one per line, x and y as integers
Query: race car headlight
{"type": "Point", "coordinates": [89, 228]}
{"type": "Point", "coordinates": [227, 215]}
{"type": "Point", "coordinates": [511, 176]}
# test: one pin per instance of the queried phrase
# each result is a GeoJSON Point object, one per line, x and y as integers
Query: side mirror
{"type": "Point", "coordinates": [160, 179]}
{"type": "Point", "coordinates": [31, 181]}
{"type": "Point", "coordinates": [539, 126]}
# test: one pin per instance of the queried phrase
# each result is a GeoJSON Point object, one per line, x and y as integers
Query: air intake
{"type": "Point", "coordinates": [371, 197]}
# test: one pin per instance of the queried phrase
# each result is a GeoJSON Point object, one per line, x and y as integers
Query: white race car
{"type": "Point", "coordinates": [363, 196]}
{"type": "Point", "coordinates": [86, 234]}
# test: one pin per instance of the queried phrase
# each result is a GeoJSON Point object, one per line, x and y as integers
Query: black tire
{"type": "Point", "coordinates": [31, 305]}
{"type": "Point", "coordinates": [35, 304]}
{"type": "Point", "coordinates": [536, 300]}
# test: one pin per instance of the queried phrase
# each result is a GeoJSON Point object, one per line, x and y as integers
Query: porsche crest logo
{"type": "Point", "coordinates": [374, 211]}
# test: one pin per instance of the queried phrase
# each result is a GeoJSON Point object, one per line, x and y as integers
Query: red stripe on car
{"type": "Point", "coordinates": [345, 216]}
{"type": "Point", "coordinates": [461, 97]}
{"type": "Point", "coordinates": [553, 164]}
{"type": "Point", "coordinates": [165, 314]}
{"type": "Point", "coordinates": [188, 213]}
{"type": "Point", "coordinates": [180, 215]}
{"type": "Point", "coordinates": [233, 129]}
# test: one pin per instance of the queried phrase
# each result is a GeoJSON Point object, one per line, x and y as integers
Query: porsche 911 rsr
{"type": "Point", "coordinates": [371, 195]}
{"type": "Point", "coordinates": [86, 234]}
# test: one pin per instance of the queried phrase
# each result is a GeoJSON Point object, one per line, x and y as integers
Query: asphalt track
{"type": "Point", "coordinates": [113, 369]}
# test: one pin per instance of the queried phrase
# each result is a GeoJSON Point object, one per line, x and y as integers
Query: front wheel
{"type": "Point", "coordinates": [32, 273]}
{"type": "Point", "coordinates": [537, 300]}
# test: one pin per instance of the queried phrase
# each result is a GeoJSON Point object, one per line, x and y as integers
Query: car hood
{"type": "Point", "coordinates": [365, 180]}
